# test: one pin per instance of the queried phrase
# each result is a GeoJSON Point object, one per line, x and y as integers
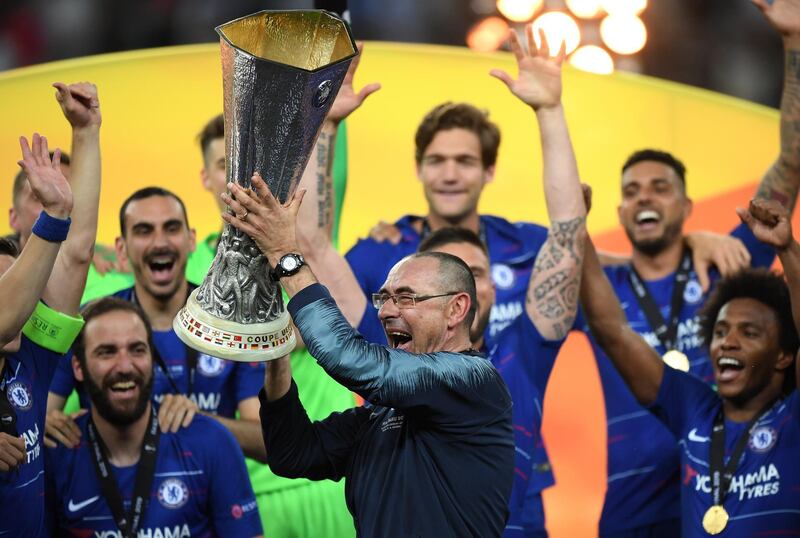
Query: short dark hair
{"type": "Point", "coordinates": [658, 156]}
{"type": "Point", "coordinates": [148, 192]}
{"type": "Point", "coordinates": [214, 129]}
{"type": "Point", "coordinates": [104, 305]}
{"type": "Point", "coordinates": [8, 247]}
{"type": "Point", "coordinates": [459, 116]}
{"type": "Point", "coordinates": [450, 235]}
{"type": "Point", "coordinates": [769, 289]}
{"type": "Point", "coordinates": [22, 177]}
{"type": "Point", "coordinates": [455, 275]}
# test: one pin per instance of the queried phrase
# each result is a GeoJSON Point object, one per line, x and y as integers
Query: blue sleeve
{"type": "Point", "coordinates": [249, 379]}
{"type": "Point", "coordinates": [680, 396]}
{"type": "Point", "coordinates": [63, 382]}
{"type": "Point", "coordinates": [761, 254]}
{"type": "Point", "coordinates": [362, 257]}
{"type": "Point", "coordinates": [444, 386]}
{"type": "Point", "coordinates": [537, 353]}
{"type": "Point", "coordinates": [43, 362]}
{"type": "Point", "coordinates": [234, 511]}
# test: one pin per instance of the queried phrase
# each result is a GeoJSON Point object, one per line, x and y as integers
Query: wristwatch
{"type": "Point", "coordinates": [288, 265]}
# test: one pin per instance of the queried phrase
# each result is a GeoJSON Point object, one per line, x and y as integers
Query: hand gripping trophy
{"type": "Point", "coordinates": [281, 71]}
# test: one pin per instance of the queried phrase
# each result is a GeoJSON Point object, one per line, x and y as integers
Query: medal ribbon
{"type": "Point", "coordinates": [721, 475]}
{"type": "Point", "coordinates": [128, 524]}
{"type": "Point", "coordinates": [190, 353]}
{"type": "Point", "coordinates": [666, 334]}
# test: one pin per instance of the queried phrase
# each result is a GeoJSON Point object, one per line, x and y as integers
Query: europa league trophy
{"type": "Point", "coordinates": [281, 71]}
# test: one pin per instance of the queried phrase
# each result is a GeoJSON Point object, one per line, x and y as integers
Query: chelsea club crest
{"type": "Point", "coordinates": [210, 366]}
{"type": "Point", "coordinates": [19, 395]}
{"type": "Point", "coordinates": [173, 493]}
{"type": "Point", "coordinates": [762, 439]}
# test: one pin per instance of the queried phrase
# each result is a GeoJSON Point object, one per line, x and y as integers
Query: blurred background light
{"type": "Point", "coordinates": [558, 27]}
{"type": "Point", "coordinates": [629, 7]}
{"type": "Point", "coordinates": [585, 9]}
{"type": "Point", "coordinates": [519, 10]}
{"type": "Point", "coordinates": [593, 59]}
{"type": "Point", "coordinates": [623, 34]}
{"type": "Point", "coordinates": [488, 34]}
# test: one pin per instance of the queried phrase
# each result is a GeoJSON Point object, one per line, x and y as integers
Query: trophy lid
{"type": "Point", "coordinates": [305, 39]}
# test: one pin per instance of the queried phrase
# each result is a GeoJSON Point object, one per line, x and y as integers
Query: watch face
{"type": "Point", "coordinates": [289, 264]}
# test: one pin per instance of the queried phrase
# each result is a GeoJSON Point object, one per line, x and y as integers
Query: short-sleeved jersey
{"type": "Point", "coordinates": [764, 495]}
{"type": "Point", "coordinates": [200, 487]}
{"type": "Point", "coordinates": [219, 385]}
{"type": "Point", "coordinates": [525, 360]}
{"type": "Point", "coordinates": [512, 251]}
{"type": "Point", "coordinates": [642, 454]}
{"type": "Point", "coordinates": [25, 380]}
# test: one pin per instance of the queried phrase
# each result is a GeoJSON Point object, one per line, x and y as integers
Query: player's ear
{"type": "Point", "coordinates": [77, 371]}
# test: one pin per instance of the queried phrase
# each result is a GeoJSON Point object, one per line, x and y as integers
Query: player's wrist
{"type": "Point", "coordinates": [52, 225]}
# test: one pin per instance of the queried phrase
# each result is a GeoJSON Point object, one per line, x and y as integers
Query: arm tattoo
{"type": "Point", "coordinates": [553, 292]}
{"type": "Point", "coordinates": [782, 180]}
{"type": "Point", "coordinates": [324, 180]}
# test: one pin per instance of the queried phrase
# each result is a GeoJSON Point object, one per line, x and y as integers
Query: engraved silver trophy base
{"type": "Point", "coordinates": [230, 340]}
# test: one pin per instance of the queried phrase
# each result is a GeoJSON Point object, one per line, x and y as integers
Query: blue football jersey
{"type": "Point", "coordinates": [512, 251]}
{"type": "Point", "coordinates": [26, 378]}
{"type": "Point", "coordinates": [643, 459]}
{"type": "Point", "coordinates": [525, 360]}
{"type": "Point", "coordinates": [764, 495]}
{"type": "Point", "coordinates": [219, 385]}
{"type": "Point", "coordinates": [200, 487]}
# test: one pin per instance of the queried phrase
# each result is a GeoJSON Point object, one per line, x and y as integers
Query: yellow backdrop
{"type": "Point", "coordinates": [154, 102]}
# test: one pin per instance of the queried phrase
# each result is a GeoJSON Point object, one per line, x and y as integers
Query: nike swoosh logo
{"type": "Point", "coordinates": [697, 438]}
{"type": "Point", "coordinates": [74, 507]}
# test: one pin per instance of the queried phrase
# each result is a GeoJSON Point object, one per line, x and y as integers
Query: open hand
{"type": "Point", "coordinates": [48, 184]}
{"type": "Point", "coordinates": [347, 100]}
{"type": "Point", "coordinates": [62, 428]}
{"type": "Point", "coordinates": [260, 215]}
{"type": "Point", "coordinates": [539, 81]}
{"type": "Point", "coordinates": [783, 15]}
{"type": "Point", "coordinates": [175, 412]}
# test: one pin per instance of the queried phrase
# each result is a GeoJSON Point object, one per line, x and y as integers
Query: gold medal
{"type": "Point", "coordinates": [715, 519]}
{"type": "Point", "coordinates": [677, 360]}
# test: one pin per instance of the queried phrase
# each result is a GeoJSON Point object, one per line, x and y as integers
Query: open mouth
{"type": "Point", "coordinates": [123, 388]}
{"type": "Point", "coordinates": [729, 368]}
{"type": "Point", "coordinates": [161, 266]}
{"type": "Point", "coordinates": [647, 217]}
{"type": "Point", "coordinates": [399, 339]}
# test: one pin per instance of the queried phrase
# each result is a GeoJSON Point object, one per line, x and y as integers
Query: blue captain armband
{"type": "Point", "coordinates": [52, 330]}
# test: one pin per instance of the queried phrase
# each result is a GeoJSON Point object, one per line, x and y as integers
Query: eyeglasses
{"type": "Point", "coordinates": [404, 300]}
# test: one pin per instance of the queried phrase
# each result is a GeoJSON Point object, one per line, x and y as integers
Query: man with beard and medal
{"type": "Point", "coordinates": [126, 475]}
{"type": "Point", "coordinates": [156, 241]}
{"type": "Point", "coordinates": [737, 444]}
{"type": "Point", "coordinates": [662, 292]}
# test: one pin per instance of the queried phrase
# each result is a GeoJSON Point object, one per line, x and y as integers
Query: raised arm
{"type": "Point", "coordinates": [81, 107]}
{"type": "Point", "coordinates": [21, 286]}
{"type": "Point", "coordinates": [782, 180]}
{"type": "Point", "coordinates": [552, 299]}
{"type": "Point", "coordinates": [638, 364]}
{"type": "Point", "coordinates": [770, 223]}
{"type": "Point", "coordinates": [316, 216]}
